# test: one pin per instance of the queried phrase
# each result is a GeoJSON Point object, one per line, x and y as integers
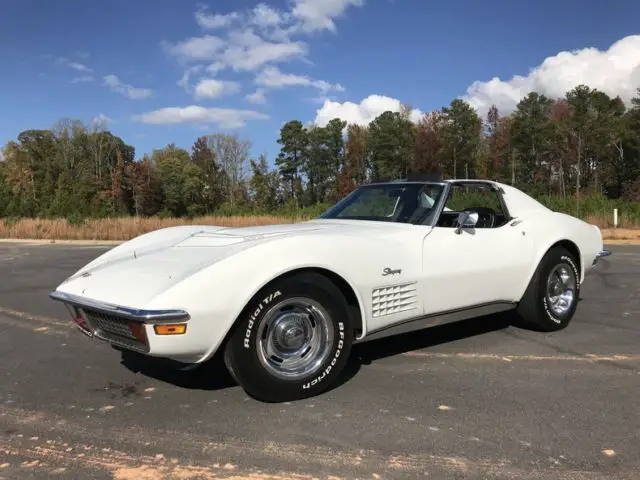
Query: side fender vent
{"type": "Point", "coordinates": [394, 299]}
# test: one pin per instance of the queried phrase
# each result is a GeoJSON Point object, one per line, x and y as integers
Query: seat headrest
{"type": "Point", "coordinates": [425, 200]}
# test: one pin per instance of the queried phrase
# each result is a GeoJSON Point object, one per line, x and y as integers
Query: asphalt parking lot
{"type": "Point", "coordinates": [480, 399]}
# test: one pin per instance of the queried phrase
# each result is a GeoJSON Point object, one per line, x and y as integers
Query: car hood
{"type": "Point", "coordinates": [133, 275]}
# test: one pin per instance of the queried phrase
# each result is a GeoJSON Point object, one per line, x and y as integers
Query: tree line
{"type": "Point", "coordinates": [583, 144]}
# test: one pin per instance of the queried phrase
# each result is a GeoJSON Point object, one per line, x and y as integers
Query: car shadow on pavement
{"type": "Point", "coordinates": [368, 352]}
{"type": "Point", "coordinates": [213, 375]}
{"type": "Point", "coordinates": [210, 375]}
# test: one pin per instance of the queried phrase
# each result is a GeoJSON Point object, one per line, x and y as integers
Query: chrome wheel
{"type": "Point", "coordinates": [294, 338]}
{"type": "Point", "coordinates": [561, 289]}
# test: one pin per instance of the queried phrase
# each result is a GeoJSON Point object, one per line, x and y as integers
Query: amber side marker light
{"type": "Point", "coordinates": [170, 329]}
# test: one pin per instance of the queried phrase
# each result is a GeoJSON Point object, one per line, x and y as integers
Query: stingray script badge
{"type": "Point", "coordinates": [389, 271]}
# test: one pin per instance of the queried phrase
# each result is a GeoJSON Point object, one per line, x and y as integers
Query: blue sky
{"type": "Point", "coordinates": [254, 65]}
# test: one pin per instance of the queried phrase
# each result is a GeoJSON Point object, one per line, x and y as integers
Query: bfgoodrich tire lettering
{"type": "Point", "coordinates": [551, 298]}
{"type": "Point", "coordinates": [292, 340]}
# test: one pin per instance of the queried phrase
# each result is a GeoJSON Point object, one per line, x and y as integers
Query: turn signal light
{"type": "Point", "coordinates": [138, 331]}
{"type": "Point", "coordinates": [170, 329]}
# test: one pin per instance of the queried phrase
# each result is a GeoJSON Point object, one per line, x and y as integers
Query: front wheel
{"type": "Point", "coordinates": [292, 341]}
{"type": "Point", "coordinates": [551, 298]}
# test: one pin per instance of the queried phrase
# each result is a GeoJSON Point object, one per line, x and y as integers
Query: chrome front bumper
{"type": "Point", "coordinates": [118, 325]}
{"type": "Point", "coordinates": [603, 253]}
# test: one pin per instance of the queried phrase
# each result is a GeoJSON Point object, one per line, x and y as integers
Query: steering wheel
{"type": "Point", "coordinates": [484, 213]}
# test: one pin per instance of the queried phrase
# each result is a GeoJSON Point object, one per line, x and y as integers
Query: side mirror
{"type": "Point", "coordinates": [466, 220]}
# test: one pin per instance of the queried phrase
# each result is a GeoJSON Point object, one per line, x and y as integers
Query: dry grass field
{"type": "Point", "coordinates": [123, 228]}
{"type": "Point", "coordinates": [118, 229]}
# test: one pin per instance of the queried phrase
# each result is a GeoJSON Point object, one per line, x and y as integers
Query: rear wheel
{"type": "Point", "coordinates": [292, 341]}
{"type": "Point", "coordinates": [551, 298]}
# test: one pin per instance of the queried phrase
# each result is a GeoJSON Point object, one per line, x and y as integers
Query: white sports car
{"type": "Point", "coordinates": [283, 304]}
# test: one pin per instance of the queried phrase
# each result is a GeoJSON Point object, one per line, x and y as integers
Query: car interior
{"type": "Point", "coordinates": [473, 198]}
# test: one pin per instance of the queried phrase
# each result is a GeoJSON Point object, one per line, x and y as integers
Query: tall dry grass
{"type": "Point", "coordinates": [126, 228]}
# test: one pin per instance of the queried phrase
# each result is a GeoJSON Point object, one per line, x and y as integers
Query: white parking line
{"type": "Point", "coordinates": [35, 318]}
{"type": "Point", "coordinates": [589, 357]}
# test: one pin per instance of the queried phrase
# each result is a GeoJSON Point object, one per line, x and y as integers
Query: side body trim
{"type": "Point", "coordinates": [440, 318]}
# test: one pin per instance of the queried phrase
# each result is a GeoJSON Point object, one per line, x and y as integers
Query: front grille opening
{"type": "Point", "coordinates": [116, 330]}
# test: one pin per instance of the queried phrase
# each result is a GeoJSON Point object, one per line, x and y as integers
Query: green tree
{"type": "Point", "coordinates": [462, 136]}
{"type": "Point", "coordinates": [204, 157]}
{"type": "Point", "coordinates": [335, 152]}
{"type": "Point", "coordinates": [390, 145]}
{"type": "Point", "coordinates": [317, 164]}
{"type": "Point", "coordinates": [531, 136]}
{"type": "Point", "coordinates": [264, 185]}
{"type": "Point", "coordinates": [294, 140]}
{"type": "Point", "coordinates": [171, 163]}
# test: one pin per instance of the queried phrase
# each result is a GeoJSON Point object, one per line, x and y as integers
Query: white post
{"type": "Point", "coordinates": [615, 218]}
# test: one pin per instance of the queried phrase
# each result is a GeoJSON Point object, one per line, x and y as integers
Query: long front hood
{"type": "Point", "coordinates": [135, 273]}
{"type": "Point", "coordinates": [137, 280]}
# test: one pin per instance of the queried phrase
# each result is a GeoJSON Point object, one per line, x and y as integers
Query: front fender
{"type": "Point", "coordinates": [217, 294]}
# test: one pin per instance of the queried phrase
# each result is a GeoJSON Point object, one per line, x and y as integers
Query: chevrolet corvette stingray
{"type": "Point", "coordinates": [284, 304]}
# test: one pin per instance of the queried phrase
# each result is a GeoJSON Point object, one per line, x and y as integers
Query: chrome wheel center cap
{"type": "Point", "coordinates": [290, 334]}
{"type": "Point", "coordinates": [293, 337]}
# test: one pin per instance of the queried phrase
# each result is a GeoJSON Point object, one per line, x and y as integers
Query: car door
{"type": "Point", "coordinates": [473, 268]}
{"type": "Point", "coordinates": [477, 265]}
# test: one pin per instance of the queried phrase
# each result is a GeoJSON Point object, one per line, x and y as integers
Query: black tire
{"type": "Point", "coordinates": [536, 308]}
{"type": "Point", "coordinates": [242, 350]}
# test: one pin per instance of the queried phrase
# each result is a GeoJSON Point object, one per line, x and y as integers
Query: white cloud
{"type": "Point", "coordinates": [361, 113]}
{"type": "Point", "coordinates": [248, 51]}
{"type": "Point", "coordinates": [198, 115]}
{"type": "Point", "coordinates": [129, 91]}
{"type": "Point", "coordinates": [74, 65]}
{"type": "Point", "coordinates": [316, 15]}
{"type": "Point", "coordinates": [100, 121]}
{"type": "Point", "coordinates": [242, 49]}
{"type": "Point", "coordinates": [274, 78]}
{"type": "Point", "coordinates": [212, 88]}
{"type": "Point", "coordinates": [215, 67]}
{"type": "Point", "coordinates": [80, 67]}
{"type": "Point", "coordinates": [196, 48]}
{"type": "Point", "coordinates": [218, 20]}
{"type": "Point", "coordinates": [257, 96]}
{"type": "Point", "coordinates": [615, 71]}
{"type": "Point", "coordinates": [82, 79]}
{"type": "Point", "coordinates": [184, 80]}
{"type": "Point", "coordinates": [265, 16]}
{"type": "Point", "coordinates": [247, 40]}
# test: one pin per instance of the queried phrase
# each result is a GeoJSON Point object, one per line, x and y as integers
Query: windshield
{"type": "Point", "coordinates": [396, 202]}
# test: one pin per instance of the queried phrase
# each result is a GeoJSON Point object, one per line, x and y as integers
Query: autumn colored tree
{"type": "Point", "coordinates": [584, 143]}
{"type": "Point", "coordinates": [428, 153]}
{"type": "Point", "coordinates": [356, 161]}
